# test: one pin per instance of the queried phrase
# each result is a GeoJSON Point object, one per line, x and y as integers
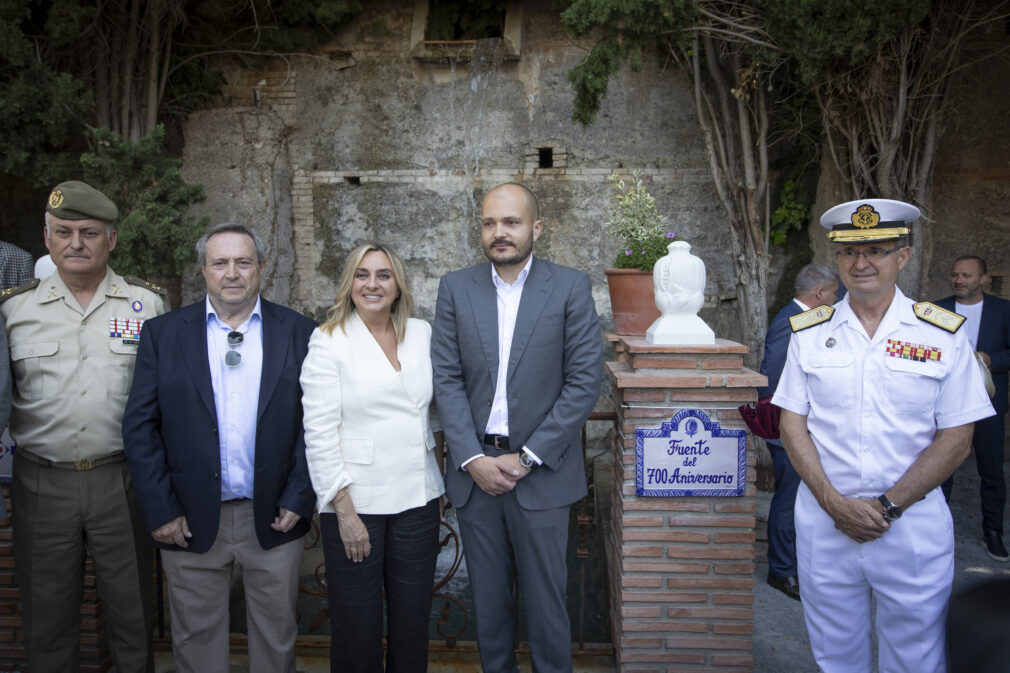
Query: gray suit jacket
{"type": "Point", "coordinates": [553, 379]}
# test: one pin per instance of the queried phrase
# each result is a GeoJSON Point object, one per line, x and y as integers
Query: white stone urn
{"type": "Point", "coordinates": [679, 280]}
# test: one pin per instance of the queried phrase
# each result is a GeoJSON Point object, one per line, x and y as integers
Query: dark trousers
{"type": "Point", "coordinates": [56, 514]}
{"type": "Point", "coordinates": [403, 556]}
{"type": "Point", "coordinates": [781, 528]}
{"type": "Point", "coordinates": [500, 541]}
{"type": "Point", "coordinates": [988, 444]}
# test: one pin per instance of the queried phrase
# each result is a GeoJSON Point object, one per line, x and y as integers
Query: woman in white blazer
{"type": "Point", "coordinates": [367, 387]}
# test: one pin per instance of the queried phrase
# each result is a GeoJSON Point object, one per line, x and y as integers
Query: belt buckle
{"type": "Point", "coordinates": [84, 465]}
{"type": "Point", "coordinates": [496, 439]}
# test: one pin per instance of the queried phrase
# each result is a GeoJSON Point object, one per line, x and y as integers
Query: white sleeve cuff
{"type": "Point", "coordinates": [532, 455]}
{"type": "Point", "coordinates": [470, 460]}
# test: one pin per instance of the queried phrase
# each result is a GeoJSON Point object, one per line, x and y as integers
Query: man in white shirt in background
{"type": "Point", "coordinates": [987, 326]}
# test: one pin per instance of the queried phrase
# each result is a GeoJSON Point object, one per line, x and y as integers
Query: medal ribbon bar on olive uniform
{"type": "Point", "coordinates": [126, 328]}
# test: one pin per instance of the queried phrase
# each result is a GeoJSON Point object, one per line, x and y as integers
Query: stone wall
{"type": "Point", "coordinates": [382, 137]}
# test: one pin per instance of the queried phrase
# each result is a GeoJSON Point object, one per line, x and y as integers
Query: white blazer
{"type": "Point", "coordinates": [366, 425]}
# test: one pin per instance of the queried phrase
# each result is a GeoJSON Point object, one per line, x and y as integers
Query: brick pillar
{"type": "Point", "coordinates": [95, 655]}
{"type": "Point", "coordinates": [681, 568]}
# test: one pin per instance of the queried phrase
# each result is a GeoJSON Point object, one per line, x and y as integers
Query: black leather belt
{"type": "Point", "coordinates": [75, 465]}
{"type": "Point", "coordinates": [500, 442]}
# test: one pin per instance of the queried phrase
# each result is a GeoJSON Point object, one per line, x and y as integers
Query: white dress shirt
{"type": "Point", "coordinates": [509, 295]}
{"type": "Point", "coordinates": [236, 399]}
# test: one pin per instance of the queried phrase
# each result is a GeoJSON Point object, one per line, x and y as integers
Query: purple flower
{"type": "Point", "coordinates": [627, 253]}
{"type": "Point", "coordinates": [643, 252]}
{"type": "Point", "coordinates": [670, 234]}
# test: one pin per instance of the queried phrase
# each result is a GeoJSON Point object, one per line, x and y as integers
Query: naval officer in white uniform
{"type": "Point", "coordinates": [879, 396]}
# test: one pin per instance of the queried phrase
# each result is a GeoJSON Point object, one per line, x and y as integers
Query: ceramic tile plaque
{"type": "Point", "coordinates": [690, 455]}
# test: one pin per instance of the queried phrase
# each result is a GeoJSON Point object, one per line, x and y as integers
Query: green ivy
{"type": "Point", "coordinates": [790, 215]}
{"type": "Point", "coordinates": [156, 231]}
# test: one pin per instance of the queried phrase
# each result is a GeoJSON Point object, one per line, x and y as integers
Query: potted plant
{"type": "Point", "coordinates": [633, 218]}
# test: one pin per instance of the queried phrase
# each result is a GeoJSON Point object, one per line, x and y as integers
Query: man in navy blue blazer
{"type": "Point", "coordinates": [815, 285]}
{"type": "Point", "coordinates": [213, 436]}
{"type": "Point", "coordinates": [987, 326]}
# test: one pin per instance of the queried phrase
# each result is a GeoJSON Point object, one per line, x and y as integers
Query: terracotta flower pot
{"type": "Point", "coordinates": [632, 300]}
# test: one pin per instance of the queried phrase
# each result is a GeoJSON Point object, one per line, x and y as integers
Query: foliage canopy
{"type": "Point", "coordinates": [155, 232]}
{"type": "Point", "coordinates": [878, 73]}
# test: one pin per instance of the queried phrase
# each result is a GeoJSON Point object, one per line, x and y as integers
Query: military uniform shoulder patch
{"type": "Point", "coordinates": [814, 316]}
{"type": "Point", "coordinates": [936, 315]}
{"type": "Point", "coordinates": [18, 289]}
{"type": "Point", "coordinates": [140, 282]}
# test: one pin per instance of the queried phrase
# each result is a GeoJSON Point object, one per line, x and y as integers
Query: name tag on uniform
{"type": "Point", "coordinates": [127, 329]}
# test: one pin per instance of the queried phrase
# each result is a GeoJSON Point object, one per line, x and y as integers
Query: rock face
{"type": "Point", "coordinates": [384, 137]}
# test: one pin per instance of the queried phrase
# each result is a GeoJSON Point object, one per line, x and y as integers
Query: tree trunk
{"type": "Point", "coordinates": [734, 126]}
{"type": "Point", "coordinates": [752, 297]}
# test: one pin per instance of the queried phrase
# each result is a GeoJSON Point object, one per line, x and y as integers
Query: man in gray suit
{"type": "Point", "coordinates": [517, 357]}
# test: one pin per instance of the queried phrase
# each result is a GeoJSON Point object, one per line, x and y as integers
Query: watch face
{"type": "Point", "coordinates": [891, 511]}
{"type": "Point", "coordinates": [525, 461]}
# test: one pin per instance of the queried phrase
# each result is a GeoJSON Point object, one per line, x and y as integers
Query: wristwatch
{"type": "Point", "coordinates": [526, 461]}
{"type": "Point", "coordinates": [891, 511]}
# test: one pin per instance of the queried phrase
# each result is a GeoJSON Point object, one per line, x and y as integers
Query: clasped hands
{"type": "Point", "coordinates": [497, 475]}
{"type": "Point", "coordinates": [862, 519]}
{"type": "Point", "coordinates": [177, 531]}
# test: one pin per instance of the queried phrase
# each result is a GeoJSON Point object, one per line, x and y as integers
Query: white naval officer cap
{"type": "Point", "coordinates": [869, 220]}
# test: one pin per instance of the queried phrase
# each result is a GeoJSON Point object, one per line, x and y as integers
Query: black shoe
{"type": "Point", "coordinates": [790, 586]}
{"type": "Point", "coordinates": [993, 543]}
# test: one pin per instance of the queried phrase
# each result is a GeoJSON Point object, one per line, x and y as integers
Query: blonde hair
{"type": "Point", "coordinates": [338, 314]}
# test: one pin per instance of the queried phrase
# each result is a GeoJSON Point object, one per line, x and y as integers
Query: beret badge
{"type": "Point", "coordinates": [55, 199]}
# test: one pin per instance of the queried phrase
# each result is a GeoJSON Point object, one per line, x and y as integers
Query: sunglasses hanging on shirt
{"type": "Point", "coordinates": [233, 358]}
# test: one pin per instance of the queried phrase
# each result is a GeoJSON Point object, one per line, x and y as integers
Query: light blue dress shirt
{"type": "Point", "coordinates": [236, 399]}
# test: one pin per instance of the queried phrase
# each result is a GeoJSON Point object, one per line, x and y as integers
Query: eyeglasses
{"type": "Point", "coordinates": [851, 254]}
{"type": "Point", "coordinates": [233, 358]}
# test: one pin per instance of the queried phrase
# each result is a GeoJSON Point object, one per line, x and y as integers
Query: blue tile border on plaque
{"type": "Point", "coordinates": [713, 444]}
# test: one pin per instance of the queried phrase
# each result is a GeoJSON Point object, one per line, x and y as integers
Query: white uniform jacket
{"type": "Point", "coordinates": [873, 405]}
{"type": "Point", "coordinates": [367, 425]}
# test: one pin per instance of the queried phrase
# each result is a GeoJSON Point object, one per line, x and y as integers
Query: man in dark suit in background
{"type": "Point", "coordinates": [987, 325]}
{"type": "Point", "coordinates": [517, 356]}
{"type": "Point", "coordinates": [213, 435]}
{"type": "Point", "coordinates": [815, 285]}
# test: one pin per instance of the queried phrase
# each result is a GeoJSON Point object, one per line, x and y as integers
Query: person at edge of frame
{"type": "Point", "coordinates": [878, 398]}
{"type": "Point", "coordinates": [73, 340]}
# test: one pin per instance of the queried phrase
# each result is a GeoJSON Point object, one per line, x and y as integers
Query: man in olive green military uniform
{"type": "Point", "coordinates": [73, 340]}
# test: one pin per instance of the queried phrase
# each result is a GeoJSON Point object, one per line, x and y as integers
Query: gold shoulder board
{"type": "Point", "coordinates": [18, 289]}
{"type": "Point", "coordinates": [814, 316]}
{"type": "Point", "coordinates": [140, 282]}
{"type": "Point", "coordinates": [936, 315]}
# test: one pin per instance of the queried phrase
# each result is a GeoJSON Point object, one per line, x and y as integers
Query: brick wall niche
{"type": "Point", "coordinates": [681, 568]}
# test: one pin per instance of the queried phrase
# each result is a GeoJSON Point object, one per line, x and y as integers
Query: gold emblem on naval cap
{"type": "Point", "coordinates": [56, 199]}
{"type": "Point", "coordinates": [865, 217]}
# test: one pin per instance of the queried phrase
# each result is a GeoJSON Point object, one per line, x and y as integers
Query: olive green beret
{"type": "Point", "coordinates": [75, 200]}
